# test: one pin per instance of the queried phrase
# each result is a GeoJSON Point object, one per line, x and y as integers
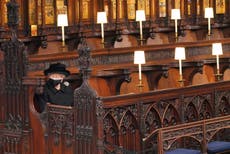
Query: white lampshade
{"type": "Point", "coordinates": [175, 14]}
{"type": "Point", "coordinates": [139, 57]}
{"type": "Point", "coordinates": [208, 13]}
{"type": "Point", "coordinates": [101, 17]}
{"type": "Point", "coordinates": [62, 20]}
{"type": "Point", "coordinates": [140, 15]}
{"type": "Point", "coordinates": [217, 49]}
{"type": "Point", "coordinates": [180, 53]}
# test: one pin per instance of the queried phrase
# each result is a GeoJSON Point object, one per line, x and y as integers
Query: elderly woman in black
{"type": "Point", "coordinates": [56, 90]}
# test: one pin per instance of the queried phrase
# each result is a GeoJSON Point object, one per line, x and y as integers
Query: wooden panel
{"type": "Point", "coordinates": [132, 86]}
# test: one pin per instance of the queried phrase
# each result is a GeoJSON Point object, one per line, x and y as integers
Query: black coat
{"type": "Point", "coordinates": [64, 96]}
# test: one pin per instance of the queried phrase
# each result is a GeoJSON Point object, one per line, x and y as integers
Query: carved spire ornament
{"type": "Point", "coordinates": [15, 66]}
{"type": "Point", "coordinates": [13, 18]}
{"type": "Point", "coordinates": [84, 60]}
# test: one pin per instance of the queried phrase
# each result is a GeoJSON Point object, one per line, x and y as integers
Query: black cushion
{"type": "Point", "coordinates": [218, 146]}
{"type": "Point", "coordinates": [183, 151]}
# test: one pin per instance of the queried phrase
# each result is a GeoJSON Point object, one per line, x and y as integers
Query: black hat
{"type": "Point", "coordinates": [57, 68]}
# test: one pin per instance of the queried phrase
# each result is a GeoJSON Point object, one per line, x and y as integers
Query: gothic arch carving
{"type": "Point", "coordinates": [129, 132]}
{"type": "Point", "coordinates": [171, 116]}
{"type": "Point", "coordinates": [222, 106]}
{"type": "Point", "coordinates": [152, 120]}
{"type": "Point", "coordinates": [111, 131]}
{"type": "Point", "coordinates": [128, 119]}
{"type": "Point", "coordinates": [197, 100]}
{"type": "Point", "coordinates": [190, 113]}
{"type": "Point", "coordinates": [205, 110]}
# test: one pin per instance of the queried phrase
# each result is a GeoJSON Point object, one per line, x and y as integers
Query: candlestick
{"type": "Point", "coordinates": [175, 15]}
{"type": "Point", "coordinates": [217, 50]}
{"type": "Point", "coordinates": [180, 66]}
{"type": "Point", "coordinates": [180, 55]}
{"type": "Point", "coordinates": [176, 25]}
{"type": "Point", "coordinates": [209, 26]}
{"type": "Point", "coordinates": [139, 66]}
{"type": "Point", "coordinates": [217, 64]}
{"type": "Point", "coordinates": [63, 35]}
{"type": "Point", "coordinates": [102, 32]}
{"type": "Point", "coordinates": [209, 14]}
{"type": "Point", "coordinates": [176, 33]}
{"type": "Point", "coordinates": [102, 18]}
{"type": "Point", "coordinates": [181, 80]}
{"type": "Point", "coordinates": [63, 21]}
{"type": "Point", "coordinates": [140, 85]}
{"type": "Point", "coordinates": [141, 33]}
{"type": "Point", "coordinates": [139, 58]}
{"type": "Point", "coordinates": [140, 16]}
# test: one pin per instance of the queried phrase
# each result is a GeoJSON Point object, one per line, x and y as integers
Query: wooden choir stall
{"type": "Point", "coordinates": [112, 113]}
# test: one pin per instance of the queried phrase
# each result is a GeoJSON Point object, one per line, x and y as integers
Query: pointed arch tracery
{"type": "Point", "coordinates": [129, 132]}
{"type": "Point", "coordinates": [111, 131]}
{"type": "Point", "coordinates": [152, 120]}
{"type": "Point", "coordinates": [171, 116]}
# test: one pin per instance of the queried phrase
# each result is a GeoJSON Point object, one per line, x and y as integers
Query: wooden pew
{"type": "Point", "coordinates": [60, 128]}
{"type": "Point", "coordinates": [200, 131]}
{"type": "Point", "coordinates": [178, 108]}
{"type": "Point", "coordinates": [132, 122]}
{"type": "Point", "coordinates": [159, 72]}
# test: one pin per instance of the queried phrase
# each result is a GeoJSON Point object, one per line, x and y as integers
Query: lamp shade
{"type": "Point", "coordinates": [180, 53]}
{"type": "Point", "coordinates": [101, 17]}
{"type": "Point", "coordinates": [139, 57]}
{"type": "Point", "coordinates": [217, 49]}
{"type": "Point", "coordinates": [208, 12]}
{"type": "Point", "coordinates": [140, 15]}
{"type": "Point", "coordinates": [175, 14]}
{"type": "Point", "coordinates": [62, 20]}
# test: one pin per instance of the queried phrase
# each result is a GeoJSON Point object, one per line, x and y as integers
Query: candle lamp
{"type": "Point", "coordinates": [62, 21]}
{"type": "Point", "coordinates": [140, 16]}
{"type": "Point", "coordinates": [180, 55]}
{"type": "Point", "coordinates": [139, 58]}
{"type": "Point", "coordinates": [102, 19]}
{"type": "Point", "coordinates": [217, 50]}
{"type": "Point", "coordinates": [175, 15]}
{"type": "Point", "coordinates": [209, 14]}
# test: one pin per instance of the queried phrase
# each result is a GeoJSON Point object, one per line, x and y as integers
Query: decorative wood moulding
{"type": "Point", "coordinates": [154, 73]}
{"type": "Point", "coordinates": [34, 43]}
{"type": "Point", "coordinates": [170, 134]}
{"type": "Point", "coordinates": [115, 57]}
{"type": "Point", "coordinates": [117, 76]}
{"type": "Point", "coordinates": [159, 94]}
{"type": "Point", "coordinates": [60, 122]}
{"type": "Point", "coordinates": [163, 111]}
{"type": "Point", "coordinates": [113, 32]}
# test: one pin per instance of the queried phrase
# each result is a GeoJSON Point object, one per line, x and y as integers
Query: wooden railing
{"type": "Point", "coordinates": [159, 111]}
{"type": "Point", "coordinates": [200, 131]}
{"type": "Point", "coordinates": [135, 123]}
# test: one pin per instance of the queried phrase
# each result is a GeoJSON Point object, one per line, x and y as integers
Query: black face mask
{"type": "Point", "coordinates": [53, 82]}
